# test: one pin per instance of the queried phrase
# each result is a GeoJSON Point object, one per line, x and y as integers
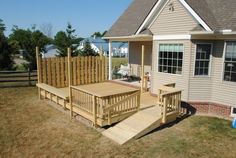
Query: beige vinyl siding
{"type": "Point", "coordinates": [223, 92]}
{"type": "Point", "coordinates": [200, 87]}
{"type": "Point", "coordinates": [159, 78]}
{"type": "Point", "coordinates": [212, 88]}
{"type": "Point", "coordinates": [178, 21]}
{"type": "Point", "coordinates": [135, 53]}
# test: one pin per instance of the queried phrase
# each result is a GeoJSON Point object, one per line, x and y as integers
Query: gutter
{"type": "Point", "coordinates": [221, 32]}
{"type": "Point", "coordinates": [202, 32]}
{"type": "Point", "coordinates": [132, 37]}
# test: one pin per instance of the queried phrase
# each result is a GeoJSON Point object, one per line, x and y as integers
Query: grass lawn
{"type": "Point", "coordinates": [116, 62]}
{"type": "Point", "coordinates": [31, 128]}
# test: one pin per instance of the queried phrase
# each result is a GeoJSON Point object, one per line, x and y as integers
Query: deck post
{"type": "Point", "coordinates": [70, 81]}
{"type": "Point", "coordinates": [38, 60]}
{"type": "Point", "coordinates": [164, 110]}
{"type": "Point", "coordinates": [110, 60]}
{"type": "Point", "coordinates": [142, 68]}
{"type": "Point", "coordinates": [94, 111]}
{"type": "Point", "coordinates": [138, 100]}
{"type": "Point", "coordinates": [109, 112]}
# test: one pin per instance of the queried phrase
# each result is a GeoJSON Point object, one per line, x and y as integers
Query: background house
{"type": "Point", "coordinates": [51, 51]}
{"type": "Point", "coordinates": [120, 49]}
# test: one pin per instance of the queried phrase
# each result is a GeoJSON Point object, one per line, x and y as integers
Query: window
{"type": "Point", "coordinates": [202, 63]}
{"type": "Point", "coordinates": [170, 58]}
{"type": "Point", "coordinates": [233, 112]}
{"type": "Point", "coordinates": [230, 62]}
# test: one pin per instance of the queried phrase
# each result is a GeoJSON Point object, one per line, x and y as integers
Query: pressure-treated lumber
{"type": "Point", "coordinates": [106, 101]}
{"type": "Point", "coordinates": [84, 70]}
{"type": "Point", "coordinates": [38, 65]}
{"type": "Point", "coordinates": [53, 90]}
{"type": "Point", "coordinates": [142, 68]}
{"type": "Point", "coordinates": [70, 81]}
{"type": "Point", "coordinates": [135, 126]}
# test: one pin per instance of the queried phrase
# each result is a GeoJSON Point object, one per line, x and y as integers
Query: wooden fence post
{"type": "Point", "coordinates": [38, 60]}
{"type": "Point", "coordinates": [70, 81]}
{"type": "Point", "coordinates": [29, 77]}
{"type": "Point", "coordinates": [142, 69]}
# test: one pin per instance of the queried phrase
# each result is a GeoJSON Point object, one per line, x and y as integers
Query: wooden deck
{"type": "Point", "coordinates": [105, 89]}
{"type": "Point", "coordinates": [102, 103]}
{"type": "Point", "coordinates": [105, 103]}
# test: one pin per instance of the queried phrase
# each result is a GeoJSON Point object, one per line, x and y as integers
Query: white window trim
{"type": "Point", "coordinates": [172, 37]}
{"type": "Point", "coordinates": [158, 60]}
{"type": "Point", "coordinates": [232, 114]}
{"type": "Point", "coordinates": [210, 63]}
{"type": "Point", "coordinates": [223, 64]}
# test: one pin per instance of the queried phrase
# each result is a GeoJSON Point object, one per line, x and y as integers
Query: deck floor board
{"type": "Point", "coordinates": [105, 89]}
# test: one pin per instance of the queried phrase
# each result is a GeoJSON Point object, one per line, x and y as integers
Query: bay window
{"type": "Point", "coordinates": [170, 58]}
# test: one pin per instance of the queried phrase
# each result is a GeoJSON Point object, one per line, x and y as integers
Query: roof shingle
{"type": "Point", "coordinates": [217, 14]}
{"type": "Point", "coordinates": [132, 18]}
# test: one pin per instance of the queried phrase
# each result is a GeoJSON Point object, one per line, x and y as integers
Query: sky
{"type": "Point", "coordinates": [86, 16]}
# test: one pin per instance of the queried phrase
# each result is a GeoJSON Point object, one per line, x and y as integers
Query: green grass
{"type": "Point", "coordinates": [116, 62]}
{"type": "Point", "coordinates": [31, 128]}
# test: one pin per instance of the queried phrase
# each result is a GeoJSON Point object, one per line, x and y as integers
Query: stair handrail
{"type": "Point", "coordinates": [165, 100]}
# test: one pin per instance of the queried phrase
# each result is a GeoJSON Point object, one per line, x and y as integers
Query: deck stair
{"type": "Point", "coordinates": [135, 126]}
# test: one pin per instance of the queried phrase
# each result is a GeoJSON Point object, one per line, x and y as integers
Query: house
{"type": "Point", "coordinates": [188, 42]}
{"type": "Point", "coordinates": [119, 48]}
{"type": "Point", "coordinates": [50, 51]}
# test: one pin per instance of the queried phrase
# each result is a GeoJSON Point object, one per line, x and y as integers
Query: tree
{"type": "Point", "coordinates": [87, 50]}
{"type": "Point", "coordinates": [63, 40]}
{"type": "Point", "coordinates": [98, 34]}
{"type": "Point", "coordinates": [47, 29]}
{"type": "Point", "coordinates": [70, 31]}
{"type": "Point", "coordinates": [2, 26]}
{"type": "Point", "coordinates": [103, 34]}
{"type": "Point", "coordinates": [28, 40]}
{"type": "Point", "coordinates": [6, 61]}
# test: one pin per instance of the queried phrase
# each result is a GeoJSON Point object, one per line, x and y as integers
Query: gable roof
{"type": "Point", "coordinates": [217, 14]}
{"type": "Point", "coordinates": [130, 21]}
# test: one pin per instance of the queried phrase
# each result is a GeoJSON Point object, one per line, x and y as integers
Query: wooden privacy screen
{"type": "Point", "coordinates": [84, 70]}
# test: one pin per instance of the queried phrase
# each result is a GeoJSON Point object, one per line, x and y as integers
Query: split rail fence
{"type": "Point", "coordinates": [18, 78]}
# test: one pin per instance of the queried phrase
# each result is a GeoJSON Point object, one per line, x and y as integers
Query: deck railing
{"type": "Point", "coordinates": [105, 108]}
{"type": "Point", "coordinates": [169, 98]}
